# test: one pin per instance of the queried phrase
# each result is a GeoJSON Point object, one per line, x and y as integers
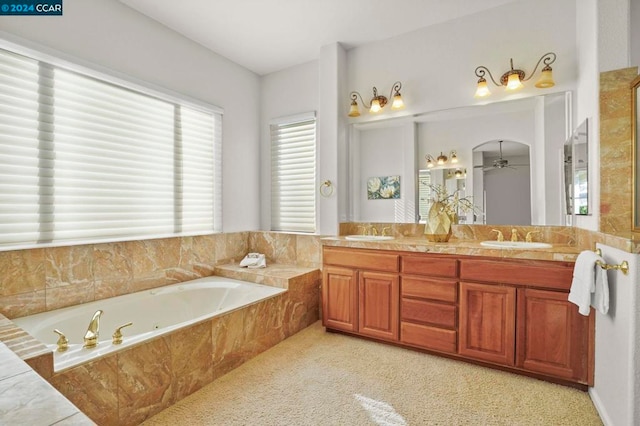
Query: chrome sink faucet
{"type": "Point", "coordinates": [93, 331]}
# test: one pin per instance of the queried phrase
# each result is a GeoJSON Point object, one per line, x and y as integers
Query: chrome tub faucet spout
{"type": "Point", "coordinates": [93, 331]}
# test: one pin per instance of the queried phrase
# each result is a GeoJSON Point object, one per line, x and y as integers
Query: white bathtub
{"type": "Point", "coordinates": [153, 313]}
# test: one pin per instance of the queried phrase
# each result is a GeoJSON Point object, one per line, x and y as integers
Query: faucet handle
{"type": "Point", "coordinates": [374, 231]}
{"type": "Point", "coordinates": [63, 342]}
{"type": "Point", "coordinates": [385, 229]}
{"type": "Point", "coordinates": [364, 229]}
{"type": "Point", "coordinates": [117, 335]}
{"type": "Point", "coordinates": [528, 238]}
{"type": "Point", "coordinates": [500, 236]}
{"type": "Point", "coordinates": [514, 234]}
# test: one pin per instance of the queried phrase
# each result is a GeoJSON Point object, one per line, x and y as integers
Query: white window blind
{"type": "Point", "coordinates": [86, 160]}
{"type": "Point", "coordinates": [293, 174]}
{"type": "Point", "coordinates": [424, 195]}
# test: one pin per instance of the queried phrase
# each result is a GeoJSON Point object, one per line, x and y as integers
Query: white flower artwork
{"type": "Point", "coordinates": [383, 188]}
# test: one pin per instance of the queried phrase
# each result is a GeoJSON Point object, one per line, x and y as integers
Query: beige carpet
{"type": "Point", "coordinates": [319, 378]}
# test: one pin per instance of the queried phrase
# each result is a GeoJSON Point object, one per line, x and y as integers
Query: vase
{"type": "Point", "coordinates": [438, 227]}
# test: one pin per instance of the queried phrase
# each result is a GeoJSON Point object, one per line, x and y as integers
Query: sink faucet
{"type": "Point", "coordinates": [528, 238]}
{"type": "Point", "coordinates": [93, 331]}
{"type": "Point", "coordinates": [500, 236]}
{"type": "Point", "coordinates": [385, 229]}
{"type": "Point", "coordinates": [514, 235]}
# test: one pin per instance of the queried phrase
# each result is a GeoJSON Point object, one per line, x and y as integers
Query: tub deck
{"type": "Point", "coordinates": [118, 388]}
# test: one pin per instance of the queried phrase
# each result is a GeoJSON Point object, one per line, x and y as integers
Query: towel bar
{"type": "Point", "coordinates": [624, 266]}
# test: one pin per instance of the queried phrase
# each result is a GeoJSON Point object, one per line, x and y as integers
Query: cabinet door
{"type": "Point", "coordinates": [340, 298]}
{"type": "Point", "coordinates": [378, 305]}
{"type": "Point", "coordinates": [553, 338]}
{"type": "Point", "coordinates": [487, 322]}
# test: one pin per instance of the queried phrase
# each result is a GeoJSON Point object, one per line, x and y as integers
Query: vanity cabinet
{"type": "Point", "coordinates": [516, 313]}
{"type": "Point", "coordinates": [508, 312]}
{"type": "Point", "coordinates": [428, 303]}
{"type": "Point", "coordinates": [488, 322]}
{"type": "Point", "coordinates": [360, 292]}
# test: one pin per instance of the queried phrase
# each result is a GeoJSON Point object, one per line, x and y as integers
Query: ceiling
{"type": "Point", "coordinates": [269, 35]}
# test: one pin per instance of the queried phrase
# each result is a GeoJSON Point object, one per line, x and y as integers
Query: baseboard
{"type": "Point", "coordinates": [600, 408]}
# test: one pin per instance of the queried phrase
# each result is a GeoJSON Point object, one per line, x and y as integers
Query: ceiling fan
{"type": "Point", "coordinates": [500, 163]}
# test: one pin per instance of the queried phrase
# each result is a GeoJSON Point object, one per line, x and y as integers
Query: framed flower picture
{"type": "Point", "coordinates": [383, 188]}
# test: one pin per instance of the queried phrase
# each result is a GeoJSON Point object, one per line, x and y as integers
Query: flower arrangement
{"type": "Point", "coordinates": [452, 203]}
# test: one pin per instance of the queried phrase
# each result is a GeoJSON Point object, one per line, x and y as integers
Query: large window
{"type": "Point", "coordinates": [83, 159]}
{"type": "Point", "coordinates": [293, 174]}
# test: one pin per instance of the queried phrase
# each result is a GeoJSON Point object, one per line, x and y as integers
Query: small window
{"type": "Point", "coordinates": [293, 174]}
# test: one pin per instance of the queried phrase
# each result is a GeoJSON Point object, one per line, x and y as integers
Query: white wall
{"type": "Point", "coordinates": [634, 44]}
{"type": "Point", "coordinates": [616, 392]}
{"type": "Point", "coordinates": [111, 35]}
{"type": "Point", "coordinates": [436, 64]}
{"type": "Point", "coordinates": [388, 151]}
{"type": "Point", "coordinates": [288, 92]}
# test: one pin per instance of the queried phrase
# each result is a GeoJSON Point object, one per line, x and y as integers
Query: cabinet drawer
{"type": "Point", "coordinates": [552, 275]}
{"type": "Point", "coordinates": [430, 288]}
{"type": "Point", "coordinates": [428, 337]}
{"type": "Point", "coordinates": [361, 259]}
{"type": "Point", "coordinates": [437, 314]}
{"type": "Point", "coordinates": [428, 265]}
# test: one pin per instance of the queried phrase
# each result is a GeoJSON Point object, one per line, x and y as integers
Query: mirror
{"type": "Point", "coordinates": [453, 179]}
{"type": "Point", "coordinates": [502, 177]}
{"type": "Point", "coordinates": [576, 171]}
{"type": "Point", "coordinates": [398, 146]}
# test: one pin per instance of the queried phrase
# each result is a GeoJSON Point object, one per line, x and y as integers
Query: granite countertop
{"type": "Point", "coordinates": [558, 252]}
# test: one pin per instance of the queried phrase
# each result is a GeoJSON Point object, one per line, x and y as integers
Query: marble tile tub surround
{"type": "Point", "coordinates": [127, 387]}
{"type": "Point", "coordinates": [38, 280]}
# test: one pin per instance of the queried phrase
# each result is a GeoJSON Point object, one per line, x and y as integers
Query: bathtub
{"type": "Point", "coordinates": [153, 313]}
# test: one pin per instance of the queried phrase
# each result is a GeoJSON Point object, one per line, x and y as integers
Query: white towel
{"type": "Point", "coordinates": [589, 286]}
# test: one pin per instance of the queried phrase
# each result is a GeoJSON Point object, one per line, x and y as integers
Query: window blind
{"type": "Point", "coordinates": [424, 195]}
{"type": "Point", "coordinates": [86, 160]}
{"type": "Point", "coordinates": [293, 174]}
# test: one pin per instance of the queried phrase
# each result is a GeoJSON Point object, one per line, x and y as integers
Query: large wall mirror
{"type": "Point", "coordinates": [401, 146]}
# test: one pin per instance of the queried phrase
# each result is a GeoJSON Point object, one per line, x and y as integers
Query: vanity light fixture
{"type": "Point", "coordinates": [512, 79]}
{"type": "Point", "coordinates": [441, 160]}
{"type": "Point", "coordinates": [377, 101]}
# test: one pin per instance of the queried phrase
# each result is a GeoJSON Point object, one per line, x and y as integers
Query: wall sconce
{"type": "Point", "coordinates": [513, 78]}
{"type": "Point", "coordinates": [456, 174]}
{"type": "Point", "coordinates": [378, 101]}
{"type": "Point", "coordinates": [441, 160]}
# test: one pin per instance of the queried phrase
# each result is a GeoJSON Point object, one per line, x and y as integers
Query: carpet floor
{"type": "Point", "coordinates": [319, 378]}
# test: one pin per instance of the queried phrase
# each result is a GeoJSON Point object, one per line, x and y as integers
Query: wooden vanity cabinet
{"type": "Point", "coordinates": [488, 322]}
{"type": "Point", "coordinates": [360, 292]}
{"type": "Point", "coordinates": [340, 298]}
{"type": "Point", "coordinates": [428, 302]}
{"type": "Point", "coordinates": [517, 314]}
{"type": "Point", "coordinates": [508, 312]}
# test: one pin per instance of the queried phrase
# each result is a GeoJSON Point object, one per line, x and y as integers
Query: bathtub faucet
{"type": "Point", "coordinates": [93, 331]}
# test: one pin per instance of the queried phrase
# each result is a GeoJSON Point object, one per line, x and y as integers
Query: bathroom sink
{"type": "Point", "coordinates": [369, 237]}
{"type": "Point", "coordinates": [514, 244]}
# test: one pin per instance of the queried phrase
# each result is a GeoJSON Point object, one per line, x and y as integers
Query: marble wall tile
{"type": "Point", "coordinates": [71, 265]}
{"type": "Point", "coordinates": [23, 304]}
{"type": "Point", "coordinates": [309, 251]}
{"type": "Point", "coordinates": [93, 388]}
{"type": "Point", "coordinates": [232, 247]}
{"type": "Point", "coordinates": [152, 256]}
{"type": "Point", "coordinates": [145, 382]}
{"type": "Point", "coordinates": [69, 295]}
{"type": "Point", "coordinates": [22, 271]}
{"type": "Point", "coordinates": [191, 351]}
{"type": "Point", "coordinates": [616, 185]}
